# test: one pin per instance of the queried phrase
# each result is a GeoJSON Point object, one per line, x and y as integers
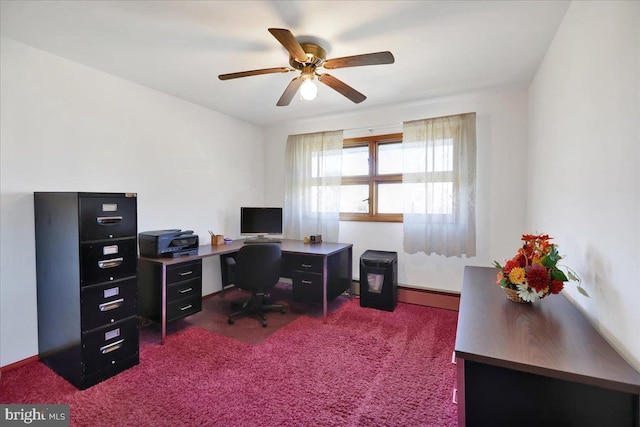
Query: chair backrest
{"type": "Point", "coordinates": [258, 266]}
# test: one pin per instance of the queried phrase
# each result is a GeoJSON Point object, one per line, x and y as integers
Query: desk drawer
{"type": "Point", "coordinates": [184, 290]}
{"type": "Point", "coordinates": [184, 271]}
{"type": "Point", "coordinates": [108, 303]}
{"type": "Point", "coordinates": [307, 287]}
{"type": "Point", "coordinates": [184, 307]}
{"type": "Point", "coordinates": [309, 264]}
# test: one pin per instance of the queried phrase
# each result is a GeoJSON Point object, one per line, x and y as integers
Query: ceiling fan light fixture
{"type": "Point", "coordinates": [308, 90]}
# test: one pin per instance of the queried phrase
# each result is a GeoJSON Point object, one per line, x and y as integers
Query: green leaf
{"type": "Point", "coordinates": [583, 292]}
{"type": "Point", "coordinates": [496, 264]}
{"type": "Point", "coordinates": [551, 259]}
{"type": "Point", "coordinates": [573, 276]}
{"type": "Point", "coordinates": [558, 275]}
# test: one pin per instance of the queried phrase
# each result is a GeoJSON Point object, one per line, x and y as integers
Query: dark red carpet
{"type": "Point", "coordinates": [364, 368]}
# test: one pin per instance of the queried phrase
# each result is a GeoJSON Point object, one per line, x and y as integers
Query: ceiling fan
{"type": "Point", "coordinates": [308, 58]}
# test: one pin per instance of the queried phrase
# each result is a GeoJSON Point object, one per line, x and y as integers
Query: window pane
{"type": "Point", "coordinates": [326, 164]}
{"type": "Point", "coordinates": [390, 198]}
{"type": "Point", "coordinates": [440, 156]}
{"type": "Point", "coordinates": [354, 198]}
{"type": "Point", "coordinates": [439, 197]}
{"type": "Point", "coordinates": [429, 198]}
{"type": "Point", "coordinates": [390, 158]}
{"type": "Point", "coordinates": [432, 156]}
{"type": "Point", "coordinates": [355, 161]}
{"type": "Point", "coordinates": [323, 199]}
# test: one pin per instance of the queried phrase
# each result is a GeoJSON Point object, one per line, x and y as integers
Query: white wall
{"type": "Point", "coordinates": [584, 153]}
{"type": "Point", "coordinates": [66, 127]}
{"type": "Point", "coordinates": [501, 176]}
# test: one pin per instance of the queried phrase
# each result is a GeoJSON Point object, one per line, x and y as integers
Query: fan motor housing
{"type": "Point", "coordinates": [315, 56]}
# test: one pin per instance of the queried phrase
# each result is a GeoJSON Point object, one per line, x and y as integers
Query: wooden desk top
{"type": "Point", "coordinates": [287, 246]}
{"type": "Point", "coordinates": [549, 337]}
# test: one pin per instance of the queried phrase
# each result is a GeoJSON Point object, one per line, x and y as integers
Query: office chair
{"type": "Point", "coordinates": [257, 269]}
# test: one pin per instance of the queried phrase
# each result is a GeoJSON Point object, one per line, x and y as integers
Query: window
{"type": "Point", "coordinates": [439, 185]}
{"type": "Point", "coordinates": [372, 179]}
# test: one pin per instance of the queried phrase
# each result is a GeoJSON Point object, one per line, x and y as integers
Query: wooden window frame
{"type": "Point", "coordinates": [372, 179]}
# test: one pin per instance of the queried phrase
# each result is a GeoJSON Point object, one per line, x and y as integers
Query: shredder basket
{"type": "Point", "coordinates": [375, 282]}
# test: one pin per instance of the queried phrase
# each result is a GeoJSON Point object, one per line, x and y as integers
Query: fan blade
{"type": "Point", "coordinates": [290, 43]}
{"type": "Point", "coordinates": [360, 60]}
{"type": "Point", "coordinates": [254, 73]}
{"type": "Point", "coordinates": [342, 88]}
{"type": "Point", "coordinates": [289, 92]}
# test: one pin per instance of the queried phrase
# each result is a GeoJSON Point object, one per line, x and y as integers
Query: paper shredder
{"type": "Point", "coordinates": [379, 280]}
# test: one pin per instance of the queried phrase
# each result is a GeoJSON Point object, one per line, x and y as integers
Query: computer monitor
{"type": "Point", "coordinates": [260, 221]}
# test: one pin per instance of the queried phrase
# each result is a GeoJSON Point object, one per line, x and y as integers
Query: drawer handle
{"type": "Point", "coordinates": [108, 220]}
{"type": "Point", "coordinates": [184, 291]}
{"type": "Point", "coordinates": [307, 282]}
{"type": "Point", "coordinates": [186, 273]}
{"type": "Point", "coordinates": [111, 305]}
{"type": "Point", "coordinates": [306, 266]}
{"type": "Point", "coordinates": [186, 307]}
{"type": "Point", "coordinates": [110, 263]}
{"type": "Point", "coordinates": [111, 347]}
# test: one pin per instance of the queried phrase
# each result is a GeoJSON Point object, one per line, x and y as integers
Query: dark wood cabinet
{"type": "Point", "coordinates": [86, 269]}
{"type": "Point", "coordinates": [539, 364]}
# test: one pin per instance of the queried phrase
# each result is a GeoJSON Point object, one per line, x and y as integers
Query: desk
{"type": "Point", "coordinates": [320, 272]}
{"type": "Point", "coordinates": [536, 364]}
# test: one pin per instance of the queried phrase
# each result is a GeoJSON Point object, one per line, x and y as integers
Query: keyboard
{"type": "Point", "coordinates": [262, 240]}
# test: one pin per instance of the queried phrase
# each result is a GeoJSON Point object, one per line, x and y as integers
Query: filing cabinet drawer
{"type": "Point", "coordinates": [103, 217]}
{"type": "Point", "coordinates": [310, 264]}
{"type": "Point", "coordinates": [118, 365]}
{"type": "Point", "coordinates": [109, 345]}
{"type": "Point", "coordinates": [184, 290]}
{"type": "Point", "coordinates": [184, 271]}
{"type": "Point", "coordinates": [108, 303]}
{"type": "Point", "coordinates": [183, 307]}
{"type": "Point", "coordinates": [307, 287]}
{"type": "Point", "coordinates": [108, 261]}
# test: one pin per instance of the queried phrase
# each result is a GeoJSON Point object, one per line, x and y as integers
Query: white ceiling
{"type": "Point", "coordinates": [441, 48]}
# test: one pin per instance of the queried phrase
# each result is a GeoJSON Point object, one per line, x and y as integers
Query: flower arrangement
{"type": "Point", "coordinates": [534, 272]}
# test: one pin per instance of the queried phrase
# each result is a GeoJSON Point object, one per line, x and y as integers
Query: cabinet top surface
{"type": "Point", "coordinates": [548, 337]}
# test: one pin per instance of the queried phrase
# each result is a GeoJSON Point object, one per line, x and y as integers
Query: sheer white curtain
{"type": "Point", "coordinates": [312, 185]}
{"type": "Point", "coordinates": [439, 190]}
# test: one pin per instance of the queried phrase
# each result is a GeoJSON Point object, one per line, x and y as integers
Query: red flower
{"type": "Point", "coordinates": [556, 287]}
{"type": "Point", "coordinates": [537, 277]}
{"type": "Point", "coordinates": [510, 265]}
{"type": "Point", "coordinates": [521, 259]}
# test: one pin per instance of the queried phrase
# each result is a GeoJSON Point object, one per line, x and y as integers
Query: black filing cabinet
{"type": "Point", "coordinates": [86, 269]}
{"type": "Point", "coordinates": [379, 280]}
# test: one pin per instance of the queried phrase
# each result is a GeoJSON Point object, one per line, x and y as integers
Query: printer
{"type": "Point", "coordinates": [168, 243]}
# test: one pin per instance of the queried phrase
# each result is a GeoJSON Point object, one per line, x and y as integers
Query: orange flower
{"type": "Point", "coordinates": [516, 276]}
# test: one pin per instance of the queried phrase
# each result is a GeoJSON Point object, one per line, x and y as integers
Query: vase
{"type": "Point", "coordinates": [512, 295]}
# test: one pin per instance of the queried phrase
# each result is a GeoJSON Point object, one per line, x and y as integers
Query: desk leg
{"type": "Point", "coordinates": [164, 303]}
{"type": "Point", "coordinates": [324, 288]}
